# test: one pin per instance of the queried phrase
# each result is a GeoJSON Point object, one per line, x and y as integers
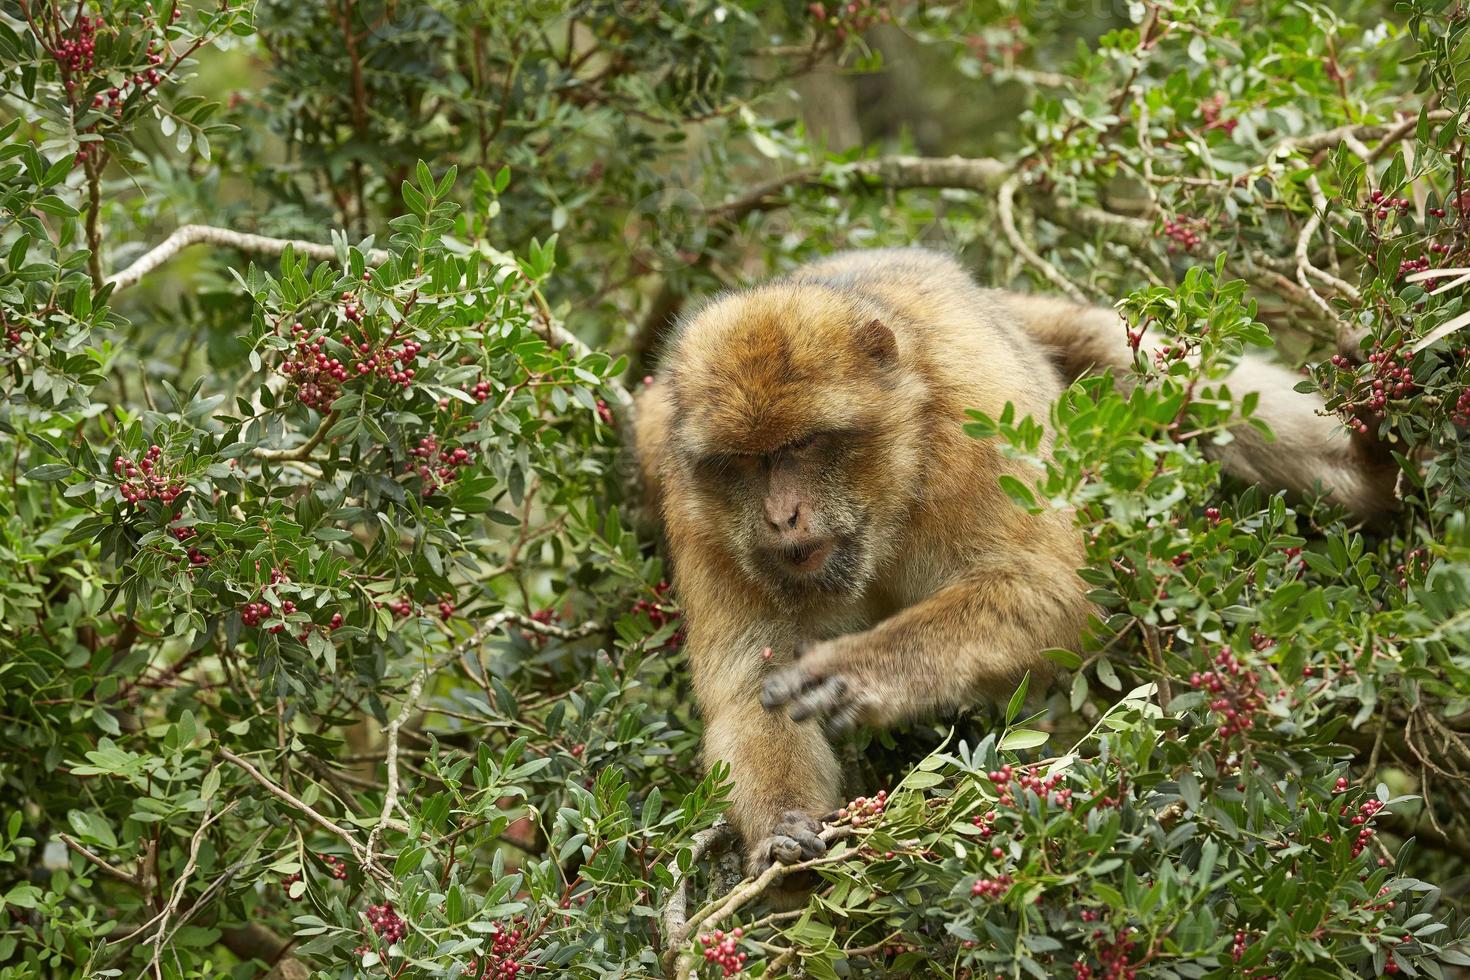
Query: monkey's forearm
{"type": "Point", "coordinates": [776, 766]}
{"type": "Point", "coordinates": [977, 638]}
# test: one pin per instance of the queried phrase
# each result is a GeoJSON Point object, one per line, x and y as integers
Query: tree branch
{"type": "Point", "coordinates": [176, 893]}
{"type": "Point", "coordinates": [111, 869]}
{"type": "Point", "coordinates": [1305, 269]}
{"type": "Point", "coordinates": [751, 888]}
{"type": "Point", "coordinates": [350, 839]}
{"type": "Point", "coordinates": [186, 235]}
{"type": "Point", "coordinates": [1005, 206]}
{"type": "Point", "coordinates": [676, 906]}
{"type": "Point", "coordinates": [302, 451]}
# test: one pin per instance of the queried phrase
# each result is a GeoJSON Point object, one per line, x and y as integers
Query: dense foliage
{"type": "Point", "coordinates": [333, 640]}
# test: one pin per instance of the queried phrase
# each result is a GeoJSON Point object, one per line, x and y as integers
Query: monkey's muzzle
{"type": "Point", "coordinates": [807, 558]}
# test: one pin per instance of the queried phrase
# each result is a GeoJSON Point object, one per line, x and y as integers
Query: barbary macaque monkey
{"type": "Point", "coordinates": [821, 501]}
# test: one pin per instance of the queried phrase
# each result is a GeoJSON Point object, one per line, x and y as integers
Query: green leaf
{"type": "Point", "coordinates": [1065, 658]}
{"type": "Point", "coordinates": [51, 204]}
{"type": "Point", "coordinates": [1017, 491]}
{"type": "Point", "coordinates": [1017, 699]}
{"type": "Point", "coordinates": [48, 472]}
{"type": "Point", "coordinates": [1022, 738]}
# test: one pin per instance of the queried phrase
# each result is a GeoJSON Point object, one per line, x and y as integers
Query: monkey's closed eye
{"type": "Point", "coordinates": [797, 445]}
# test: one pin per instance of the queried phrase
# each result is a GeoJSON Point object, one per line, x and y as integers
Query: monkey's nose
{"type": "Point", "coordinates": [783, 516]}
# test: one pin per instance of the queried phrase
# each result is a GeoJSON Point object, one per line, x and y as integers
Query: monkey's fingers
{"type": "Point", "coordinates": [843, 720]}
{"type": "Point", "coordinates": [784, 685]}
{"type": "Point", "coordinates": [824, 698]}
{"type": "Point", "coordinates": [794, 838]}
{"type": "Point", "coordinates": [793, 850]}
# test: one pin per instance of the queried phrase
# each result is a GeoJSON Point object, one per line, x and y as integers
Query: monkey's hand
{"type": "Point", "coordinates": [792, 840]}
{"type": "Point", "coordinates": [822, 684]}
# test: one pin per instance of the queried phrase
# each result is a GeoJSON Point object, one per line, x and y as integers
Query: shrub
{"type": "Point", "coordinates": [334, 641]}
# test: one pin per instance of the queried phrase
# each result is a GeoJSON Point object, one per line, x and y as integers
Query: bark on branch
{"type": "Point", "coordinates": [187, 235]}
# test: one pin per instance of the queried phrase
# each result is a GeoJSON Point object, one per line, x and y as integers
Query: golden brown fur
{"type": "Point", "coordinates": [828, 407]}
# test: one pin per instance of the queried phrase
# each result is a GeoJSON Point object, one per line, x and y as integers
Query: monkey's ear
{"type": "Point", "coordinates": [877, 341]}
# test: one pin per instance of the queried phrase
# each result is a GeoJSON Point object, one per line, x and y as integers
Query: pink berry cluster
{"type": "Point", "coordinates": [76, 53]}
{"type": "Point", "coordinates": [336, 867]}
{"type": "Point", "coordinates": [181, 533]}
{"type": "Point", "coordinates": [1165, 356]}
{"type": "Point", "coordinates": [112, 100]}
{"type": "Point", "coordinates": [657, 612]}
{"type": "Point", "coordinates": [991, 887]}
{"type": "Point", "coordinates": [719, 948]}
{"type": "Point", "coordinates": [660, 610]}
{"type": "Point", "coordinates": [387, 923]}
{"type": "Point", "coordinates": [847, 19]}
{"type": "Point", "coordinates": [446, 606]}
{"type": "Point", "coordinates": [1234, 690]}
{"type": "Point", "coordinates": [503, 961]}
{"type": "Point", "coordinates": [605, 414]}
{"type": "Point", "coordinates": [144, 479]}
{"type": "Point", "coordinates": [253, 612]}
{"type": "Point", "coordinates": [1008, 780]}
{"type": "Point", "coordinates": [1114, 957]}
{"type": "Point", "coordinates": [1416, 562]}
{"type": "Point", "coordinates": [865, 809]}
{"type": "Point", "coordinates": [1410, 266]}
{"type": "Point", "coordinates": [401, 607]}
{"type": "Point", "coordinates": [350, 310]}
{"type": "Point", "coordinates": [1365, 813]}
{"type": "Point", "coordinates": [1382, 205]}
{"type": "Point", "coordinates": [389, 362]}
{"type": "Point", "coordinates": [1185, 233]}
{"type": "Point", "coordinates": [1210, 110]}
{"type": "Point", "coordinates": [317, 376]}
{"type": "Point", "coordinates": [1460, 414]}
{"type": "Point", "coordinates": [438, 465]}
{"type": "Point", "coordinates": [481, 391]}
{"type": "Point", "coordinates": [1391, 378]}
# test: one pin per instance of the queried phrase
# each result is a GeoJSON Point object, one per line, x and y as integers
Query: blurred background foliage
{"type": "Point", "coordinates": [334, 641]}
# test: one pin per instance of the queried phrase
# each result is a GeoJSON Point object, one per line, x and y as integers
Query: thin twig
{"type": "Point", "coordinates": [111, 869]}
{"type": "Point", "coordinates": [1005, 206]}
{"type": "Point", "coordinates": [176, 893]}
{"type": "Point", "coordinates": [347, 836]}
{"type": "Point", "coordinates": [302, 451]}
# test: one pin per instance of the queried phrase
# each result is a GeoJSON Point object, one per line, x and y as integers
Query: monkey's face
{"type": "Point", "coordinates": [794, 425]}
{"type": "Point", "coordinates": [794, 515]}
